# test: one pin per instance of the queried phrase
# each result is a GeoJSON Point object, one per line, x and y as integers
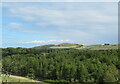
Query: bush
{"type": "Point", "coordinates": [55, 81]}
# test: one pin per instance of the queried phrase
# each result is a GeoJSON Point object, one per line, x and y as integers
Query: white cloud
{"type": "Point", "coordinates": [60, 0]}
{"type": "Point", "coordinates": [20, 27]}
{"type": "Point", "coordinates": [15, 25]}
{"type": "Point", "coordinates": [54, 15]}
{"type": "Point", "coordinates": [72, 16]}
{"type": "Point", "coordinates": [0, 5]}
{"type": "Point", "coordinates": [44, 42]}
{"type": "Point", "coordinates": [72, 21]}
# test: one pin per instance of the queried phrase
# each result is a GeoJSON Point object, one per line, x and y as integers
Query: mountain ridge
{"type": "Point", "coordinates": [79, 46]}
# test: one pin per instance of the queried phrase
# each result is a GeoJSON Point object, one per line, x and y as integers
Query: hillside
{"type": "Point", "coordinates": [79, 46]}
{"type": "Point", "coordinates": [12, 78]}
{"type": "Point", "coordinates": [86, 47]}
{"type": "Point", "coordinates": [44, 46]}
{"type": "Point", "coordinates": [66, 44]}
{"type": "Point", "coordinates": [62, 65]}
{"type": "Point", "coordinates": [83, 63]}
{"type": "Point", "coordinates": [98, 47]}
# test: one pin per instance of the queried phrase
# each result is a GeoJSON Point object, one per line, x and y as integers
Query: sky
{"type": "Point", "coordinates": [29, 24]}
{"type": "Point", "coordinates": [59, 0]}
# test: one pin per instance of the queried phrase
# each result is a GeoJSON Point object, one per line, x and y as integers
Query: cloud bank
{"type": "Point", "coordinates": [60, 0]}
{"type": "Point", "coordinates": [44, 42]}
{"type": "Point", "coordinates": [79, 22]}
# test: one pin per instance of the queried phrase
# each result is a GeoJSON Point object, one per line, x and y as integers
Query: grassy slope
{"type": "Point", "coordinates": [12, 78]}
{"type": "Point", "coordinates": [64, 47]}
{"type": "Point", "coordinates": [99, 47]}
{"type": "Point", "coordinates": [90, 47]}
{"type": "Point", "coordinates": [78, 46]}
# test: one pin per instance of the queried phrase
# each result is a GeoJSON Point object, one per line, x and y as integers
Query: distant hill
{"type": "Point", "coordinates": [99, 47]}
{"type": "Point", "coordinates": [80, 46]}
{"type": "Point", "coordinates": [44, 46]}
{"type": "Point", "coordinates": [66, 44]}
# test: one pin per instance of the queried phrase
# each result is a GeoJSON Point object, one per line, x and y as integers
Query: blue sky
{"type": "Point", "coordinates": [32, 24]}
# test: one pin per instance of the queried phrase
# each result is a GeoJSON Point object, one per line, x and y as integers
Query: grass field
{"type": "Point", "coordinates": [12, 78]}
{"type": "Point", "coordinates": [64, 47]}
{"type": "Point", "coordinates": [99, 47]}
{"type": "Point", "coordinates": [90, 47]}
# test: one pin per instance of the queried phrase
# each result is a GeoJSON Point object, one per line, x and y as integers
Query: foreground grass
{"type": "Point", "coordinates": [12, 78]}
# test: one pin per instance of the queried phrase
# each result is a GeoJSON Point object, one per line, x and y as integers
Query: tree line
{"type": "Point", "coordinates": [71, 65]}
